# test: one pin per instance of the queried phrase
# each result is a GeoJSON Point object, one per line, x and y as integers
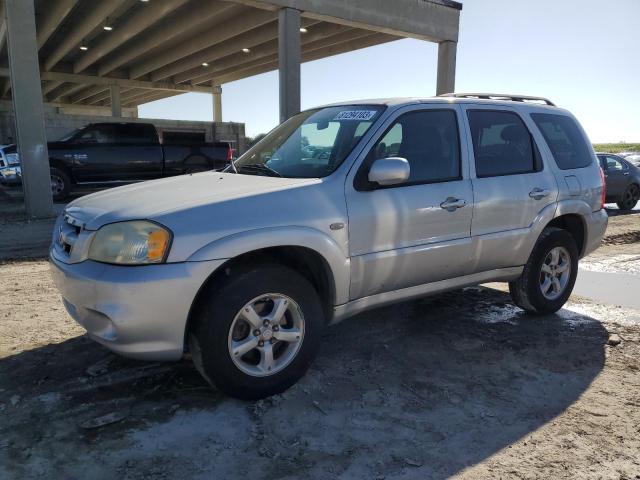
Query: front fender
{"type": "Point", "coordinates": [244, 242]}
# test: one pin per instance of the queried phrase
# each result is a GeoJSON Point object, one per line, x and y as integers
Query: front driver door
{"type": "Point", "coordinates": [409, 234]}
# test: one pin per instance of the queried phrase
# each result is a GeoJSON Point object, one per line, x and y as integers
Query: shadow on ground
{"type": "Point", "coordinates": [417, 390]}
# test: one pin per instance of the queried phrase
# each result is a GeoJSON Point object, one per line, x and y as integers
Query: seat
{"type": "Point", "coordinates": [422, 147]}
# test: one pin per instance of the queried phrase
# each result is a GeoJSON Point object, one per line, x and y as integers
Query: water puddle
{"type": "Point", "coordinates": [606, 287]}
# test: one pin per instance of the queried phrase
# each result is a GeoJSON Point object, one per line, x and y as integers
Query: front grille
{"type": "Point", "coordinates": [68, 234]}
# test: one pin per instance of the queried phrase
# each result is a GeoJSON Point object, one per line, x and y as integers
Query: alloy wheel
{"type": "Point", "coordinates": [57, 185]}
{"type": "Point", "coordinates": [266, 335]}
{"type": "Point", "coordinates": [555, 273]}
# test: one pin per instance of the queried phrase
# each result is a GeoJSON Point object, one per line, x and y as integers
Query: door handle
{"type": "Point", "coordinates": [626, 173]}
{"type": "Point", "coordinates": [539, 193]}
{"type": "Point", "coordinates": [451, 204]}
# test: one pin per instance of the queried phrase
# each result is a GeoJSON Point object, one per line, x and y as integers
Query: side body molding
{"type": "Point", "coordinates": [251, 240]}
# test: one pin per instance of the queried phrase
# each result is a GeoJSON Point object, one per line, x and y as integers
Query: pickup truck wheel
{"type": "Point", "coordinates": [629, 198]}
{"type": "Point", "coordinates": [549, 275]}
{"type": "Point", "coordinates": [257, 332]}
{"type": "Point", "coordinates": [60, 184]}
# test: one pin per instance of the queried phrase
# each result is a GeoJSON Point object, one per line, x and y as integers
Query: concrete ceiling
{"type": "Point", "coordinates": [159, 48]}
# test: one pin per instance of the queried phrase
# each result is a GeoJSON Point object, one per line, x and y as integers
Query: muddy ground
{"type": "Point", "coordinates": [457, 385]}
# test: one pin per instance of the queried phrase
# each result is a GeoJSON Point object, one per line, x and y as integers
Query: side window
{"type": "Point", "coordinates": [428, 140]}
{"type": "Point", "coordinates": [502, 145]}
{"type": "Point", "coordinates": [566, 142]}
{"type": "Point", "coordinates": [87, 135]}
{"type": "Point", "coordinates": [96, 134]}
{"type": "Point", "coordinates": [135, 134]}
{"type": "Point", "coordinates": [615, 165]}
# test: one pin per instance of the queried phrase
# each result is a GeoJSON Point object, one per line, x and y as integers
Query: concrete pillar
{"type": "Point", "coordinates": [216, 92]}
{"type": "Point", "coordinates": [289, 62]}
{"type": "Point", "coordinates": [116, 101]}
{"type": "Point", "coordinates": [28, 107]}
{"type": "Point", "coordinates": [446, 67]}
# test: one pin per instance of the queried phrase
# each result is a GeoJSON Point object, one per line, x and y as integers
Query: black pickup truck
{"type": "Point", "coordinates": [103, 154]}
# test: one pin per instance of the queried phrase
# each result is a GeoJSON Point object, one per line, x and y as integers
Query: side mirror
{"type": "Point", "coordinates": [389, 171]}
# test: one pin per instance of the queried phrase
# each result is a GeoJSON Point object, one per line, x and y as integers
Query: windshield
{"type": "Point", "coordinates": [311, 144]}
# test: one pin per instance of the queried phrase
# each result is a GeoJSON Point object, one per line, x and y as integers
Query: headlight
{"type": "Point", "coordinates": [136, 242]}
{"type": "Point", "coordinates": [12, 159]}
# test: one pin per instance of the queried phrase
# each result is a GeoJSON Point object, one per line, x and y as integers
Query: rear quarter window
{"type": "Point", "coordinates": [565, 140]}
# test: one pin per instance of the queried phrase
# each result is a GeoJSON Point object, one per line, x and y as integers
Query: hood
{"type": "Point", "coordinates": [152, 199]}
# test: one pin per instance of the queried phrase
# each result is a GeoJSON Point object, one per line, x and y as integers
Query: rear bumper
{"type": "Point", "coordinates": [139, 312]}
{"type": "Point", "coordinates": [596, 227]}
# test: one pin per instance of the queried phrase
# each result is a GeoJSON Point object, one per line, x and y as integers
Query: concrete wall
{"type": "Point", "coordinates": [60, 120]}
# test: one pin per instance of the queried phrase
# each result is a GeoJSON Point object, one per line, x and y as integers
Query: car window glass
{"type": "Point", "coordinates": [97, 134]}
{"type": "Point", "coordinates": [318, 142]}
{"type": "Point", "coordinates": [428, 140]}
{"type": "Point", "coordinates": [135, 134]}
{"type": "Point", "coordinates": [502, 144]}
{"type": "Point", "coordinates": [566, 142]}
{"type": "Point", "coordinates": [311, 144]}
{"type": "Point", "coordinates": [86, 136]}
{"type": "Point", "coordinates": [614, 165]}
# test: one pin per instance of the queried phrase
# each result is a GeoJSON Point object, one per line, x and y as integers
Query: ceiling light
{"type": "Point", "coordinates": [303, 30]}
{"type": "Point", "coordinates": [107, 28]}
{"type": "Point", "coordinates": [205, 64]}
{"type": "Point", "coordinates": [246, 50]}
{"type": "Point", "coordinates": [83, 47]}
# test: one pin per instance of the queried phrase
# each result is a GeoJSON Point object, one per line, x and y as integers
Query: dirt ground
{"type": "Point", "coordinates": [460, 385]}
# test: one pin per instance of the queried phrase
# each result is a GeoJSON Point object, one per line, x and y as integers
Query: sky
{"type": "Point", "coordinates": [582, 54]}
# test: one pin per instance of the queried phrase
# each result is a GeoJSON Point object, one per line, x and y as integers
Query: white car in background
{"type": "Point", "coordinates": [10, 172]}
{"type": "Point", "coordinates": [631, 156]}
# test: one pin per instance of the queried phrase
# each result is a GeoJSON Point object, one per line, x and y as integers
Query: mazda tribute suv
{"type": "Point", "coordinates": [340, 209]}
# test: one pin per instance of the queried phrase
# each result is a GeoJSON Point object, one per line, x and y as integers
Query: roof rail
{"type": "Point", "coordinates": [500, 96]}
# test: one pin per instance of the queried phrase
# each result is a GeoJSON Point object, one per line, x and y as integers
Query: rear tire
{"type": "Point", "coordinates": [60, 184]}
{"type": "Point", "coordinates": [549, 275]}
{"type": "Point", "coordinates": [234, 315]}
{"type": "Point", "coordinates": [629, 198]}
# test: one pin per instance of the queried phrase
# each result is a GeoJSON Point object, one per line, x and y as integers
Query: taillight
{"type": "Point", "coordinates": [603, 196]}
{"type": "Point", "coordinates": [229, 154]}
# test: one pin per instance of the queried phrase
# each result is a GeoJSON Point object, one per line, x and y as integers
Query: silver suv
{"type": "Point", "coordinates": [338, 210]}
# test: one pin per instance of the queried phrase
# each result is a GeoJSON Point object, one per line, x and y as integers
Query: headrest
{"type": "Point", "coordinates": [513, 134]}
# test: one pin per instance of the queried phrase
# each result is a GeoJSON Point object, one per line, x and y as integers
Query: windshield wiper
{"type": "Point", "coordinates": [261, 167]}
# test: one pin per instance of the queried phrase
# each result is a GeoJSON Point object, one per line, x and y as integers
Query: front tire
{"type": "Point", "coordinates": [60, 184]}
{"type": "Point", "coordinates": [549, 275]}
{"type": "Point", "coordinates": [629, 198]}
{"type": "Point", "coordinates": [256, 331]}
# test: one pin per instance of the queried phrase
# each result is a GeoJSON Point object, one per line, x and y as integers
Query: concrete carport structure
{"type": "Point", "coordinates": [123, 53]}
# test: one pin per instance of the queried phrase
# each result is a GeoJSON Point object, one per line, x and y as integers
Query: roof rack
{"type": "Point", "coordinates": [500, 96]}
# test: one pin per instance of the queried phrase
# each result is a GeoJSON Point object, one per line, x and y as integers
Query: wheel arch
{"type": "Point", "coordinates": [304, 260]}
{"type": "Point", "coordinates": [575, 225]}
{"type": "Point", "coordinates": [571, 216]}
{"type": "Point", "coordinates": [61, 165]}
{"type": "Point", "coordinates": [310, 252]}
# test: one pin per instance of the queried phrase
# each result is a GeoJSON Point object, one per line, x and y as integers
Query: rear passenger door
{"type": "Point", "coordinates": [511, 186]}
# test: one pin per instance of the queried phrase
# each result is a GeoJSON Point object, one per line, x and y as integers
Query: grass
{"type": "Point", "coordinates": [616, 147]}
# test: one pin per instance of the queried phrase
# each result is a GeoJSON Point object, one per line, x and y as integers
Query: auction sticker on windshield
{"type": "Point", "coordinates": [355, 115]}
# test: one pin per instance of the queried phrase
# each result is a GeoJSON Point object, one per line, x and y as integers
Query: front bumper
{"type": "Point", "coordinates": [11, 175]}
{"type": "Point", "coordinates": [139, 312]}
{"type": "Point", "coordinates": [596, 226]}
